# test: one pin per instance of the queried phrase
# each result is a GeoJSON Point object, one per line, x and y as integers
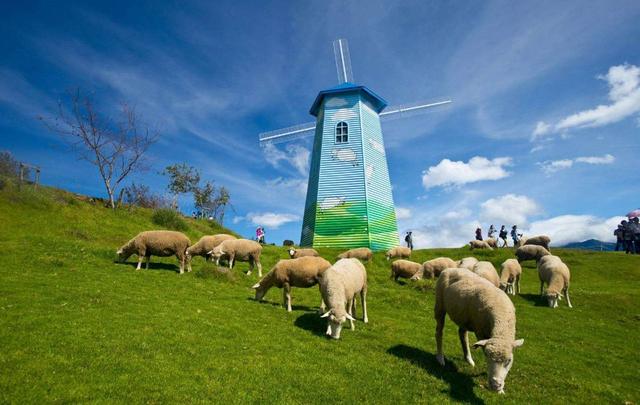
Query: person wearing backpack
{"type": "Point", "coordinates": [503, 235]}
{"type": "Point", "coordinates": [409, 239]}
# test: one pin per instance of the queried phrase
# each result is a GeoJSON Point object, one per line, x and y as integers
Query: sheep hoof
{"type": "Point", "coordinates": [440, 359]}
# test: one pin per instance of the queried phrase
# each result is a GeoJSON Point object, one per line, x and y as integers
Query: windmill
{"type": "Point", "coordinates": [349, 201]}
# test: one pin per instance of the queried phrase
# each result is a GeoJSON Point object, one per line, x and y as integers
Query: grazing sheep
{"type": "Point", "coordinates": [492, 243]}
{"type": "Point", "coordinates": [359, 253]}
{"type": "Point", "coordinates": [303, 272]}
{"type": "Point", "coordinates": [479, 244]}
{"type": "Point", "coordinates": [541, 240]}
{"type": "Point", "coordinates": [398, 251]}
{"type": "Point", "coordinates": [206, 245]}
{"type": "Point", "coordinates": [339, 285]}
{"type": "Point", "coordinates": [244, 250]}
{"type": "Point", "coordinates": [432, 268]}
{"type": "Point", "coordinates": [555, 273]}
{"type": "Point", "coordinates": [157, 243]}
{"type": "Point", "coordinates": [405, 269]}
{"type": "Point", "coordinates": [521, 242]}
{"type": "Point", "coordinates": [488, 272]}
{"type": "Point", "coordinates": [510, 273]}
{"type": "Point", "coordinates": [467, 263]}
{"type": "Point", "coordinates": [475, 305]}
{"type": "Point", "coordinates": [295, 253]}
{"type": "Point", "coordinates": [531, 252]}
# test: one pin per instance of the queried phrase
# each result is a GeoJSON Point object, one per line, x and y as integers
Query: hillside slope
{"type": "Point", "coordinates": [77, 326]}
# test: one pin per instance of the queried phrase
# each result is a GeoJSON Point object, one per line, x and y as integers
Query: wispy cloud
{"type": "Point", "coordinates": [456, 173]}
{"type": "Point", "coordinates": [509, 209]}
{"type": "Point", "coordinates": [271, 220]}
{"type": "Point", "coordinates": [552, 166]}
{"type": "Point", "coordinates": [295, 155]}
{"type": "Point", "coordinates": [403, 213]}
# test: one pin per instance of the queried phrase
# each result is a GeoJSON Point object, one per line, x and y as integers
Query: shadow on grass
{"type": "Point", "coordinates": [536, 299]}
{"type": "Point", "coordinates": [313, 323]}
{"type": "Point", "coordinates": [461, 385]}
{"type": "Point", "coordinates": [279, 304]}
{"type": "Point", "coordinates": [154, 266]}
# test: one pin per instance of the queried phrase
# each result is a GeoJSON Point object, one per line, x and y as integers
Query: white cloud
{"type": "Point", "coordinates": [271, 220]}
{"type": "Point", "coordinates": [297, 186]}
{"type": "Point", "coordinates": [550, 167]}
{"type": "Point", "coordinates": [597, 160]}
{"type": "Point", "coordinates": [509, 209]}
{"type": "Point", "coordinates": [403, 213]}
{"type": "Point", "coordinates": [456, 173]}
{"type": "Point", "coordinates": [575, 228]}
{"type": "Point", "coordinates": [624, 94]}
{"type": "Point", "coordinates": [296, 155]}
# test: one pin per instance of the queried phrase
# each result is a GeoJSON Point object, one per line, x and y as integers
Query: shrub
{"type": "Point", "coordinates": [169, 219]}
{"type": "Point", "coordinates": [9, 167]}
{"type": "Point", "coordinates": [141, 196]}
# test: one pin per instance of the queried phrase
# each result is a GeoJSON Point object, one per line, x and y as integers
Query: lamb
{"type": "Point", "coordinates": [492, 243]}
{"type": "Point", "coordinates": [303, 272]}
{"type": "Point", "coordinates": [359, 253]}
{"type": "Point", "coordinates": [398, 251]}
{"type": "Point", "coordinates": [432, 268]}
{"type": "Point", "coordinates": [157, 243]}
{"type": "Point", "coordinates": [405, 269]}
{"type": "Point", "coordinates": [467, 263]}
{"type": "Point", "coordinates": [541, 240]}
{"type": "Point", "coordinates": [531, 252]}
{"type": "Point", "coordinates": [510, 273]}
{"type": "Point", "coordinates": [339, 285]}
{"type": "Point", "coordinates": [475, 305]}
{"type": "Point", "coordinates": [488, 272]}
{"type": "Point", "coordinates": [206, 245]}
{"type": "Point", "coordinates": [555, 273]}
{"type": "Point", "coordinates": [479, 244]}
{"type": "Point", "coordinates": [295, 253]}
{"type": "Point", "coordinates": [244, 250]}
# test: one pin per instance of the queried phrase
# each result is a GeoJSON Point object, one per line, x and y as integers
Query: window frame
{"type": "Point", "coordinates": [342, 132]}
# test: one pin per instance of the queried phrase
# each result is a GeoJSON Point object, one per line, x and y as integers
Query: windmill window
{"type": "Point", "coordinates": [342, 132]}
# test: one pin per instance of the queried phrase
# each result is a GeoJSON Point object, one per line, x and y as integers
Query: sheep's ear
{"type": "Point", "coordinates": [349, 317]}
{"type": "Point", "coordinates": [256, 286]}
{"type": "Point", "coordinates": [210, 252]}
{"type": "Point", "coordinates": [480, 343]}
{"type": "Point", "coordinates": [326, 314]}
{"type": "Point", "coordinates": [518, 343]}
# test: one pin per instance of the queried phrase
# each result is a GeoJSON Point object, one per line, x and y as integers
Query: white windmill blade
{"type": "Point", "coordinates": [343, 60]}
{"type": "Point", "coordinates": [404, 110]}
{"type": "Point", "coordinates": [287, 134]}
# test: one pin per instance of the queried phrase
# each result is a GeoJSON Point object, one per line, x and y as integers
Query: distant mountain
{"type": "Point", "coordinates": [591, 244]}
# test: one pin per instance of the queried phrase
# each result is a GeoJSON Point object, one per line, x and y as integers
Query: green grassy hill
{"type": "Point", "coordinates": [77, 326]}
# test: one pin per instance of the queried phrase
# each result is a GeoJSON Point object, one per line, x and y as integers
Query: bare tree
{"type": "Point", "coordinates": [115, 147]}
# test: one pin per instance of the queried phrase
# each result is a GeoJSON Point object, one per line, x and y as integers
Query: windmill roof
{"type": "Point", "coordinates": [378, 102]}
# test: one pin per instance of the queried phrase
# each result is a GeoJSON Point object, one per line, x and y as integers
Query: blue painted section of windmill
{"type": "Point", "coordinates": [349, 201]}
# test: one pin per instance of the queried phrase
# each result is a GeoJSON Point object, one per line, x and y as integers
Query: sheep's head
{"type": "Point", "coordinates": [504, 286]}
{"type": "Point", "coordinates": [292, 252]}
{"type": "Point", "coordinates": [260, 291]}
{"type": "Point", "coordinates": [552, 299]}
{"type": "Point", "coordinates": [216, 253]}
{"type": "Point", "coordinates": [123, 253]}
{"type": "Point", "coordinates": [499, 354]}
{"type": "Point", "coordinates": [334, 325]}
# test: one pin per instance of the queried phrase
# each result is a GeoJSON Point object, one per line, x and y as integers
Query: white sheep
{"type": "Point", "coordinates": [405, 269]}
{"type": "Point", "coordinates": [358, 253]}
{"type": "Point", "coordinates": [339, 285]}
{"type": "Point", "coordinates": [488, 272]}
{"type": "Point", "coordinates": [303, 272]}
{"type": "Point", "coordinates": [492, 243]}
{"type": "Point", "coordinates": [540, 240]}
{"type": "Point", "coordinates": [206, 245]}
{"type": "Point", "coordinates": [531, 252]}
{"type": "Point", "coordinates": [510, 273]}
{"type": "Point", "coordinates": [556, 274]}
{"type": "Point", "coordinates": [296, 253]}
{"type": "Point", "coordinates": [402, 252]}
{"type": "Point", "coordinates": [157, 243]}
{"type": "Point", "coordinates": [243, 250]}
{"type": "Point", "coordinates": [475, 305]}
{"type": "Point", "coordinates": [479, 244]}
{"type": "Point", "coordinates": [432, 268]}
{"type": "Point", "coordinates": [467, 263]}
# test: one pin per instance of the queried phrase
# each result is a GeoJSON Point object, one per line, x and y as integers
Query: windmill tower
{"type": "Point", "coordinates": [349, 201]}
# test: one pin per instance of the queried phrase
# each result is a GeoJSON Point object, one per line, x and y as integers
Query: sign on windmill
{"type": "Point", "coordinates": [349, 200]}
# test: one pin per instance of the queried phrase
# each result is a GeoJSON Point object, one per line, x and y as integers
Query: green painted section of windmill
{"type": "Point", "coordinates": [349, 201]}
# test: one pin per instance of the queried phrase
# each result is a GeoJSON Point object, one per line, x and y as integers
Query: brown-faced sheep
{"type": "Point", "coordinates": [339, 285]}
{"type": "Point", "coordinates": [402, 252]}
{"type": "Point", "coordinates": [157, 243]}
{"type": "Point", "coordinates": [243, 250]}
{"type": "Point", "coordinates": [488, 272]}
{"type": "Point", "coordinates": [206, 245]}
{"type": "Point", "coordinates": [303, 272]}
{"type": "Point", "coordinates": [405, 269]}
{"type": "Point", "coordinates": [553, 272]}
{"type": "Point", "coordinates": [364, 254]}
{"type": "Point", "coordinates": [467, 263]}
{"type": "Point", "coordinates": [296, 253]}
{"type": "Point", "coordinates": [510, 273]}
{"type": "Point", "coordinates": [432, 268]}
{"type": "Point", "coordinates": [475, 305]}
{"type": "Point", "coordinates": [540, 240]}
{"type": "Point", "coordinates": [479, 244]}
{"type": "Point", "coordinates": [531, 252]}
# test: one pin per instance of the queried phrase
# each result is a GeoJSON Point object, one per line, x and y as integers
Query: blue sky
{"type": "Point", "coordinates": [543, 131]}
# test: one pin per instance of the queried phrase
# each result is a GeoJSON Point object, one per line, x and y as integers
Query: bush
{"type": "Point", "coordinates": [141, 196]}
{"type": "Point", "coordinates": [169, 219]}
{"type": "Point", "coordinates": [9, 167]}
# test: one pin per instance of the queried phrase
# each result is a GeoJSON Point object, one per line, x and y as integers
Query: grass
{"type": "Point", "coordinates": [76, 326]}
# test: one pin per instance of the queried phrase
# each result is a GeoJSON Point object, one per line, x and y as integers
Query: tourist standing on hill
{"type": "Point", "coordinates": [260, 234]}
{"type": "Point", "coordinates": [515, 235]}
{"type": "Point", "coordinates": [619, 234]}
{"type": "Point", "coordinates": [635, 228]}
{"type": "Point", "coordinates": [492, 230]}
{"type": "Point", "coordinates": [503, 235]}
{"type": "Point", "coordinates": [627, 235]}
{"type": "Point", "coordinates": [478, 233]}
{"type": "Point", "coordinates": [409, 239]}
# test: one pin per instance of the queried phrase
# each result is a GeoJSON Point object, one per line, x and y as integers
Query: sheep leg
{"type": "Point", "coordinates": [350, 310]}
{"type": "Point", "coordinates": [464, 341]}
{"type": "Point", "coordinates": [541, 287]}
{"type": "Point", "coordinates": [323, 306]}
{"type": "Point", "coordinates": [148, 259]}
{"type": "Point", "coordinates": [363, 296]}
{"type": "Point", "coordinates": [139, 262]}
{"type": "Point", "coordinates": [439, 315]}
{"type": "Point", "coordinates": [286, 291]}
{"type": "Point", "coordinates": [181, 260]}
{"type": "Point", "coordinates": [566, 295]}
{"type": "Point", "coordinates": [259, 268]}
{"type": "Point", "coordinates": [188, 259]}
{"type": "Point", "coordinates": [518, 284]}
